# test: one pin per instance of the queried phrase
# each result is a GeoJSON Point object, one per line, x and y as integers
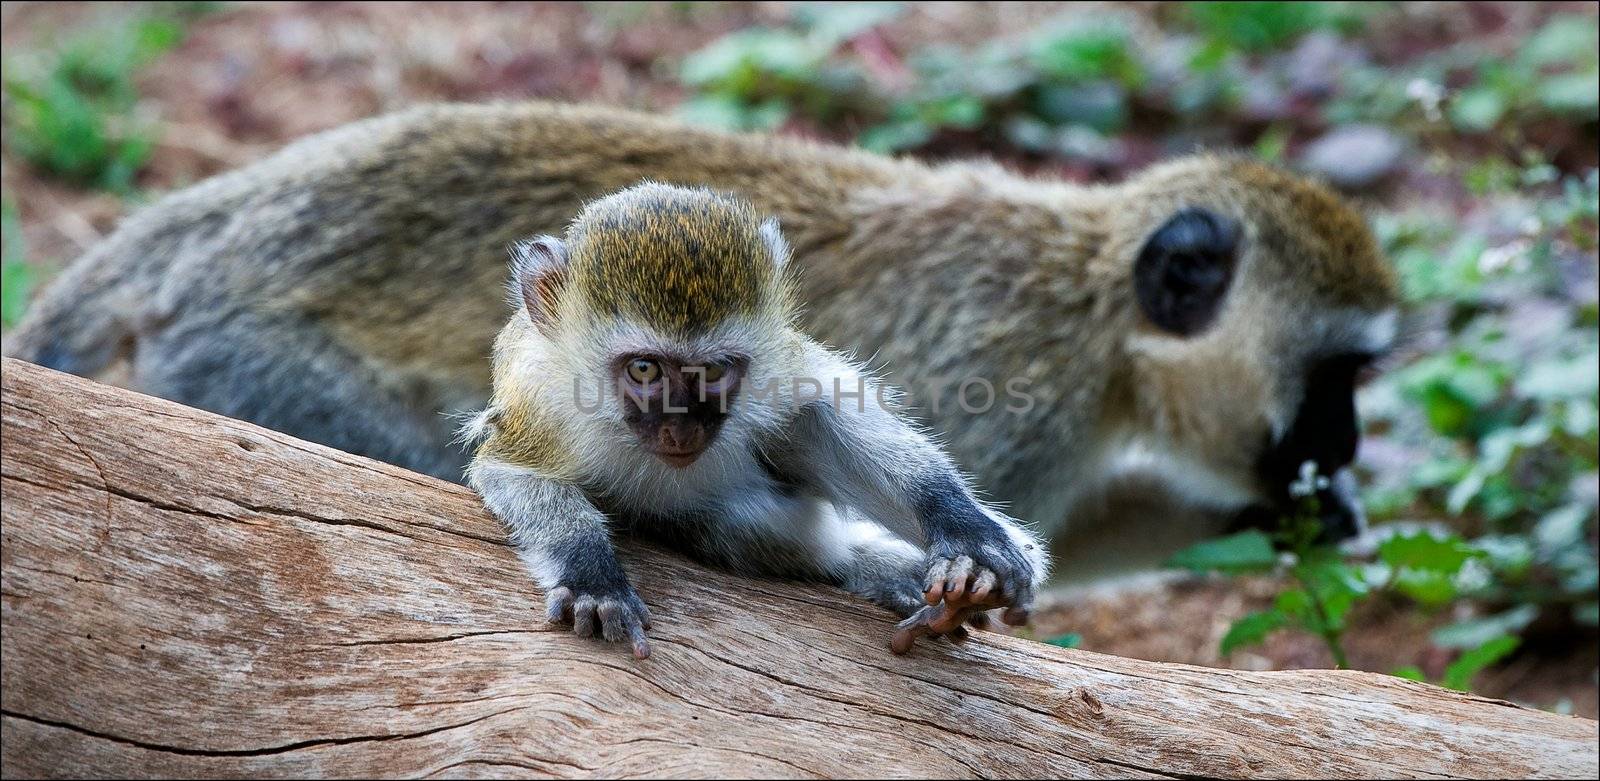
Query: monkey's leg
{"type": "Point", "coordinates": [286, 374]}
{"type": "Point", "coordinates": [870, 562]}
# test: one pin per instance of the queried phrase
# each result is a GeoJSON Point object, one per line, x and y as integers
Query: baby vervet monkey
{"type": "Point", "coordinates": [653, 383]}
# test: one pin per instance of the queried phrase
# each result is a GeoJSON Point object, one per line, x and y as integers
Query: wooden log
{"type": "Point", "coordinates": [190, 595]}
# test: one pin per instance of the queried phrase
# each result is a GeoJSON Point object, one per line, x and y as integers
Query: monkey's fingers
{"type": "Point", "coordinates": [907, 631]}
{"type": "Point", "coordinates": [933, 585]}
{"type": "Point", "coordinates": [641, 646]}
{"type": "Point", "coordinates": [903, 638]}
{"type": "Point", "coordinates": [613, 620]}
{"type": "Point", "coordinates": [583, 616]}
{"type": "Point", "coordinates": [940, 620]}
{"type": "Point", "coordinates": [948, 619]}
{"type": "Point", "coordinates": [621, 620]}
{"type": "Point", "coordinates": [983, 585]}
{"type": "Point", "coordinates": [982, 593]}
{"type": "Point", "coordinates": [957, 578]}
{"type": "Point", "coordinates": [558, 605]}
{"type": "Point", "coordinates": [1016, 613]}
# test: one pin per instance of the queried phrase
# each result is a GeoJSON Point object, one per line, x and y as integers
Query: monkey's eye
{"type": "Point", "coordinates": [643, 371]}
{"type": "Point", "coordinates": [713, 372]}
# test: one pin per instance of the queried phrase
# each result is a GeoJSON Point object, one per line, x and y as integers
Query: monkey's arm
{"type": "Point", "coordinates": [876, 461]}
{"type": "Point", "coordinates": [565, 542]}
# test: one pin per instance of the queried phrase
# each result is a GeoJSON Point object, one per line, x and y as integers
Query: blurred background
{"type": "Point", "coordinates": [1468, 132]}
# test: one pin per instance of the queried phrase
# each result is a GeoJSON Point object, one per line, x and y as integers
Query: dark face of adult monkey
{"type": "Point", "coordinates": [1259, 327]}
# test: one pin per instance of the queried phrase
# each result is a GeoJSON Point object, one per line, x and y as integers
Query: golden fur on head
{"type": "Point", "coordinates": [677, 259]}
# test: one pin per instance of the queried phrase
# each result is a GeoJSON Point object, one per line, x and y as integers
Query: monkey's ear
{"type": "Point", "coordinates": [538, 273]}
{"type": "Point", "coordinates": [1183, 273]}
{"type": "Point", "coordinates": [773, 237]}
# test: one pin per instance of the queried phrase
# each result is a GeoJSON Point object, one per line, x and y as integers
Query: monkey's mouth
{"type": "Point", "coordinates": [678, 459]}
{"type": "Point", "coordinates": [1340, 511]}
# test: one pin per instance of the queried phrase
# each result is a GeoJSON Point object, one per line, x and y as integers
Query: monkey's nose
{"type": "Point", "coordinates": [680, 444]}
{"type": "Point", "coordinates": [678, 437]}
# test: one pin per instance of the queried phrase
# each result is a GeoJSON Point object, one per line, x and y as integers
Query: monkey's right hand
{"type": "Point", "coordinates": [616, 614]}
{"type": "Point", "coordinates": [997, 573]}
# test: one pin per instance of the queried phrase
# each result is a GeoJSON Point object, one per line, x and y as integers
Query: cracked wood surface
{"type": "Point", "coordinates": [190, 595]}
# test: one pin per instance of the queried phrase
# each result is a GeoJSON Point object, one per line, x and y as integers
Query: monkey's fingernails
{"type": "Point", "coordinates": [1014, 616]}
{"type": "Point", "coordinates": [982, 585]}
{"type": "Point", "coordinates": [955, 590]}
{"type": "Point", "coordinates": [641, 646]}
{"type": "Point", "coordinates": [933, 585]}
{"type": "Point", "coordinates": [956, 580]}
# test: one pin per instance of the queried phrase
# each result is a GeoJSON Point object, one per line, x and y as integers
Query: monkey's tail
{"type": "Point", "coordinates": [82, 322]}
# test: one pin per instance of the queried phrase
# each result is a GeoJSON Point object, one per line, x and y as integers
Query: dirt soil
{"type": "Point", "coordinates": [251, 77]}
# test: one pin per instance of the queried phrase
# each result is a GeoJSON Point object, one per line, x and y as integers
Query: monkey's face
{"type": "Point", "coordinates": [1259, 322]}
{"type": "Point", "coordinates": [675, 406]}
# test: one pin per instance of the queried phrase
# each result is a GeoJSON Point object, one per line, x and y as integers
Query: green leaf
{"type": "Point", "coordinates": [1573, 377]}
{"type": "Point", "coordinates": [1251, 629]}
{"type": "Point", "coordinates": [1478, 631]}
{"type": "Point", "coordinates": [1257, 26]}
{"type": "Point", "coordinates": [1336, 584]}
{"type": "Point", "coordinates": [1248, 551]}
{"type": "Point", "coordinates": [16, 276]}
{"type": "Point", "coordinates": [896, 136]}
{"type": "Point", "coordinates": [1272, 142]}
{"type": "Point", "coordinates": [1564, 40]}
{"type": "Point", "coordinates": [1425, 552]}
{"type": "Point", "coordinates": [1460, 673]}
{"type": "Point", "coordinates": [1508, 554]}
{"type": "Point", "coordinates": [1101, 105]}
{"type": "Point", "coordinates": [1572, 93]}
{"type": "Point", "coordinates": [1409, 672]}
{"type": "Point", "coordinates": [1068, 640]}
{"type": "Point", "coordinates": [1562, 528]}
{"type": "Point", "coordinates": [1429, 588]}
{"type": "Point", "coordinates": [1088, 54]}
{"type": "Point", "coordinates": [1296, 604]}
{"type": "Point", "coordinates": [835, 23]}
{"type": "Point", "coordinates": [1478, 109]}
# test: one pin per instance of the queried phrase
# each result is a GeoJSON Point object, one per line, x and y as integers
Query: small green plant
{"type": "Point", "coordinates": [1503, 427]}
{"type": "Point", "coordinates": [1556, 72]}
{"type": "Point", "coordinates": [16, 276]}
{"type": "Point", "coordinates": [1256, 27]}
{"type": "Point", "coordinates": [73, 112]}
{"type": "Point", "coordinates": [755, 79]}
{"type": "Point", "coordinates": [1553, 75]}
{"type": "Point", "coordinates": [1324, 586]}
